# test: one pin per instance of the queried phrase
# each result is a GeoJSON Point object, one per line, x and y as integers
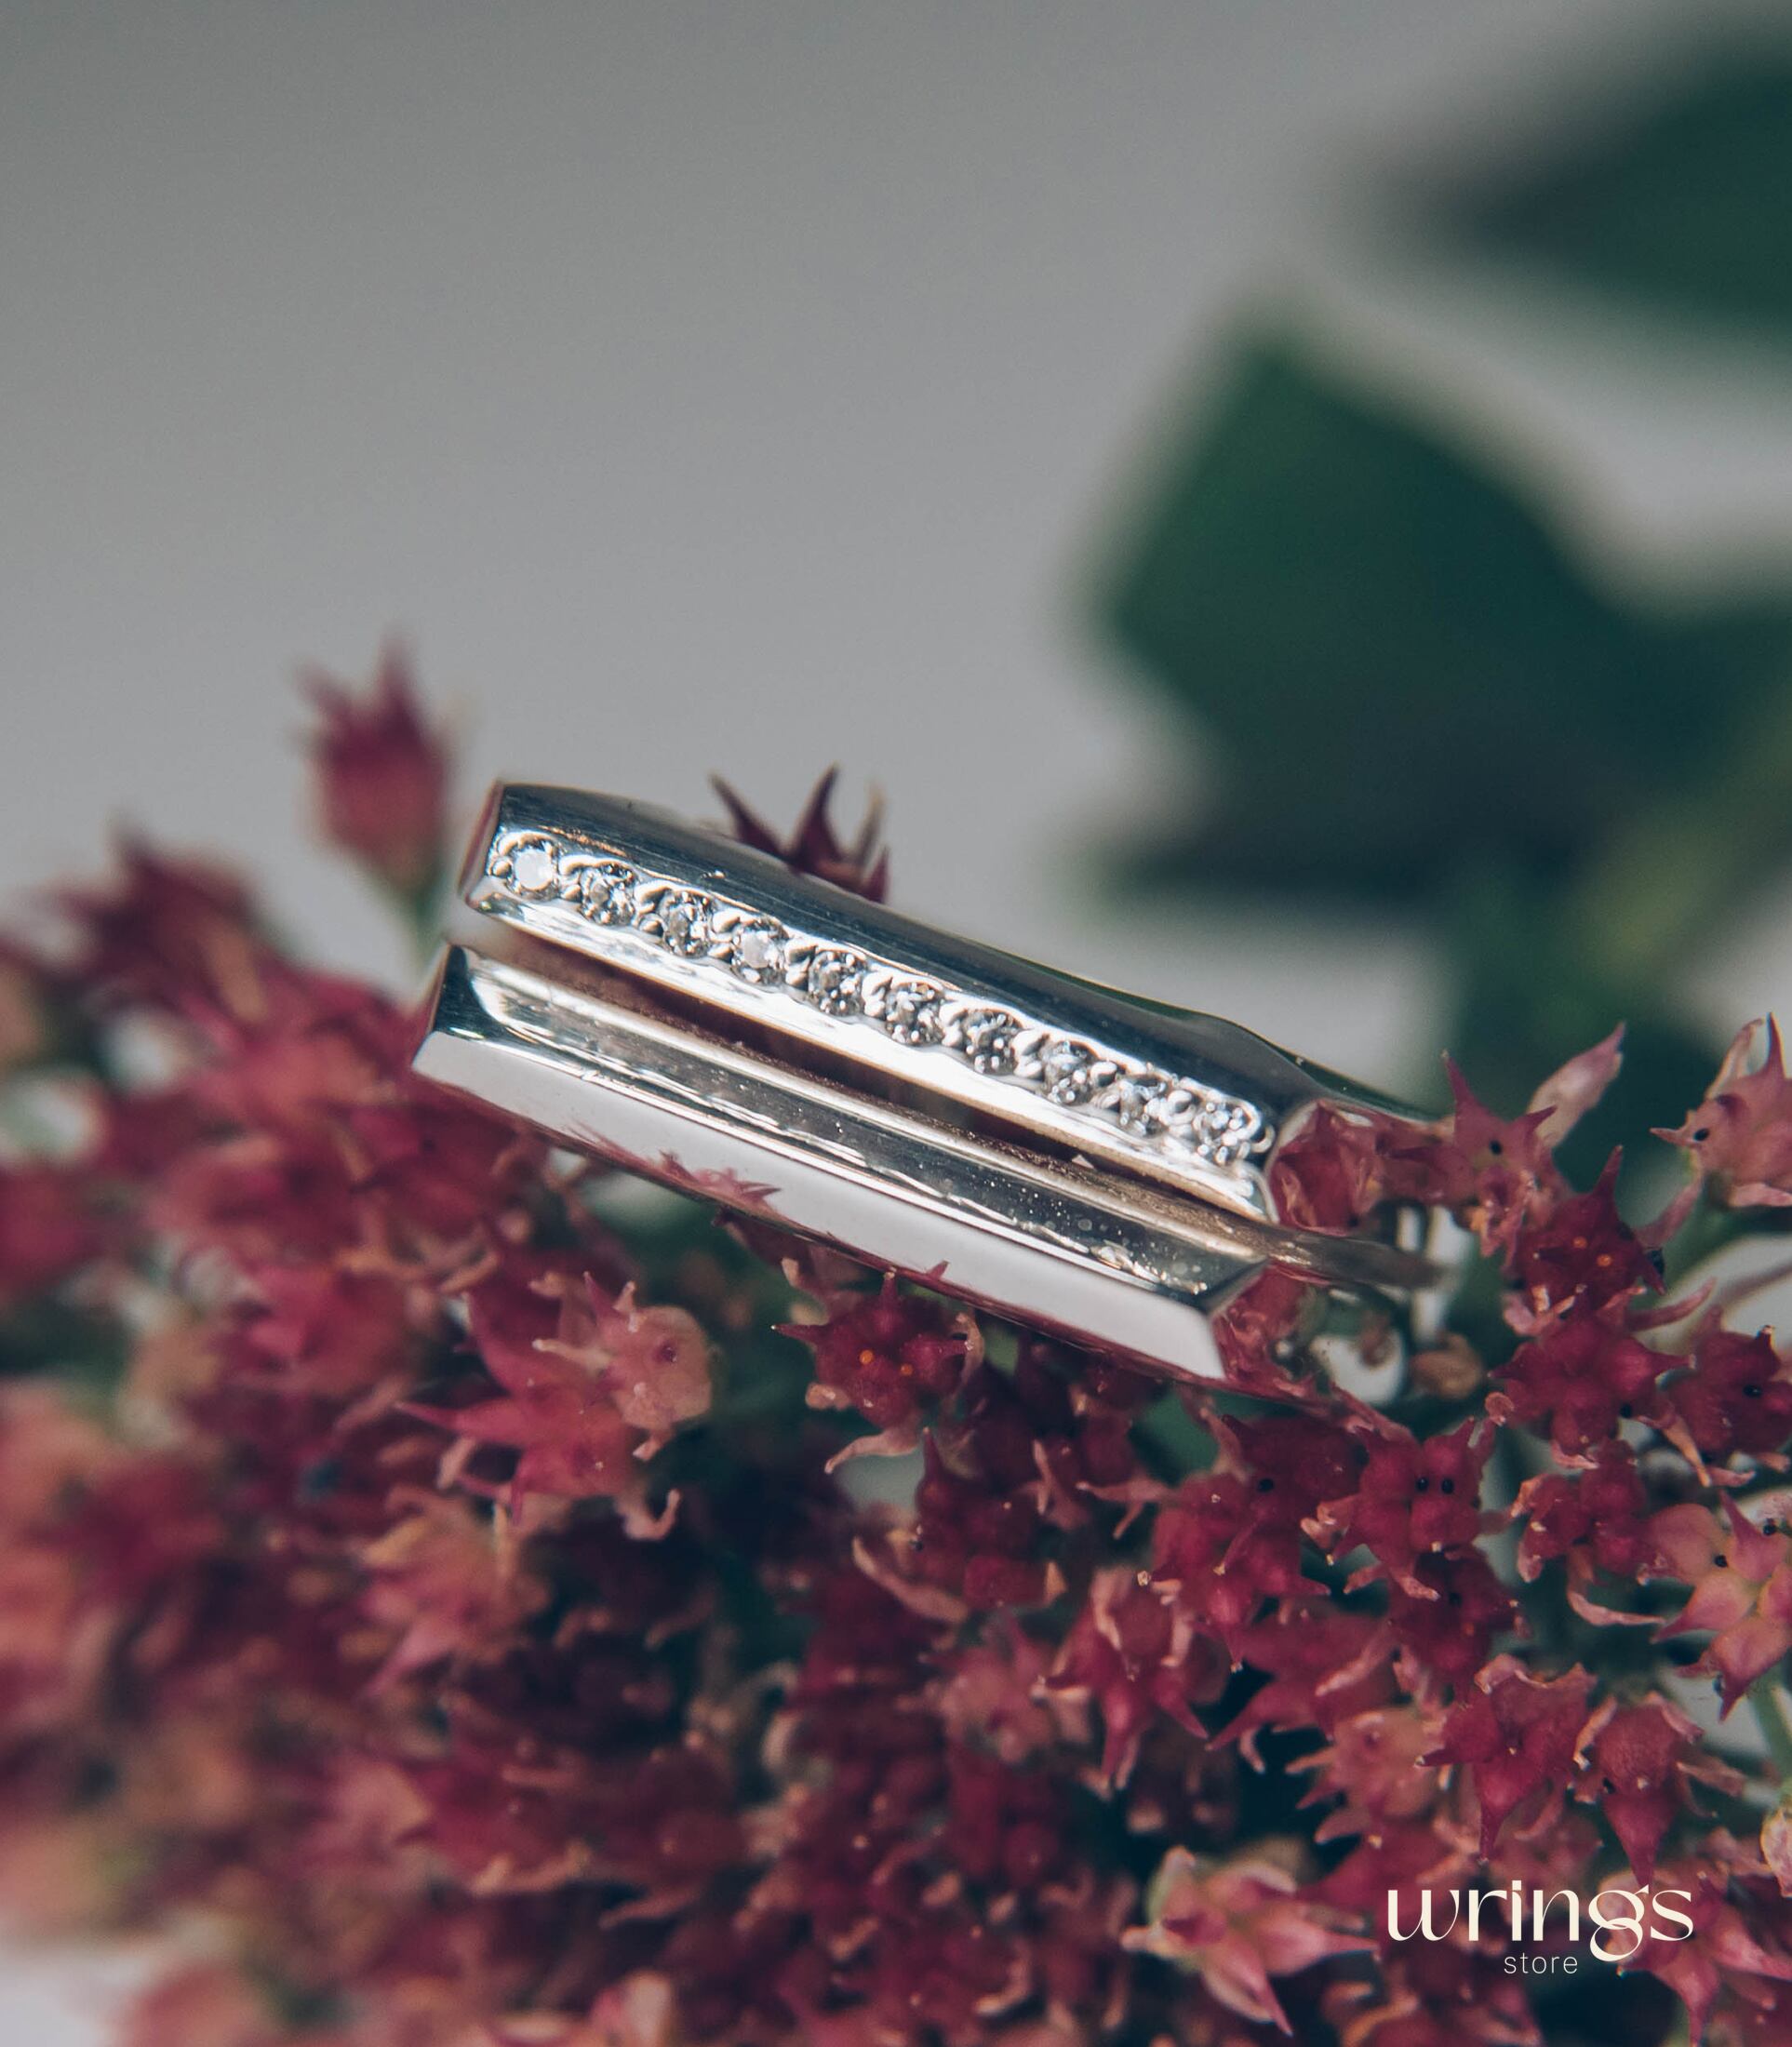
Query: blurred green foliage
{"type": "Point", "coordinates": [1400, 657]}
{"type": "Point", "coordinates": [1680, 197]}
{"type": "Point", "coordinates": [1418, 688]}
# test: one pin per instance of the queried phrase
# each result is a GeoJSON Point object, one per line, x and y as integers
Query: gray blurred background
{"type": "Point", "coordinates": [748, 386]}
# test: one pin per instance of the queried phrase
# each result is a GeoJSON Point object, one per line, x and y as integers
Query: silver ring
{"type": "Point", "coordinates": [691, 1010]}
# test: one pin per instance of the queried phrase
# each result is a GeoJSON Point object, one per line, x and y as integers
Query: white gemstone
{"type": "Point", "coordinates": [606, 891]}
{"type": "Point", "coordinates": [1133, 1099]}
{"type": "Point", "coordinates": [684, 920]}
{"type": "Point", "coordinates": [757, 949]}
{"type": "Point", "coordinates": [535, 867]}
{"type": "Point", "coordinates": [986, 1038]}
{"type": "Point", "coordinates": [1068, 1071]}
{"type": "Point", "coordinates": [912, 1012]}
{"type": "Point", "coordinates": [835, 981]}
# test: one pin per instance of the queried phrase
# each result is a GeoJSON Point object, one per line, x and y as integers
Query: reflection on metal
{"type": "Point", "coordinates": [694, 1012]}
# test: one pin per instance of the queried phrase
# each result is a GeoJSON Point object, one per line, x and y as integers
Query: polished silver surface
{"type": "Point", "coordinates": [691, 1011]}
{"type": "Point", "coordinates": [1094, 1256]}
{"type": "Point", "coordinates": [1190, 1099]}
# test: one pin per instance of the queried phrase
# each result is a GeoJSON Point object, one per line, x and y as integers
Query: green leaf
{"type": "Point", "coordinates": [1397, 658]}
{"type": "Point", "coordinates": [1679, 199]}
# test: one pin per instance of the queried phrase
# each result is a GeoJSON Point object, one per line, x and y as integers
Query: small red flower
{"type": "Point", "coordinates": [1329, 1175]}
{"type": "Point", "coordinates": [446, 1581]}
{"type": "Point", "coordinates": [1375, 1765]}
{"type": "Point", "coordinates": [320, 1330]}
{"type": "Point", "coordinates": [1516, 1734]}
{"type": "Point", "coordinates": [1498, 1173]}
{"type": "Point", "coordinates": [1742, 1589]}
{"type": "Point", "coordinates": [171, 933]}
{"type": "Point", "coordinates": [1722, 1958]}
{"type": "Point", "coordinates": [1740, 1136]}
{"type": "Point", "coordinates": [590, 1387]}
{"type": "Point", "coordinates": [1443, 1627]}
{"type": "Point", "coordinates": [1321, 1665]}
{"type": "Point", "coordinates": [1577, 1381]}
{"type": "Point", "coordinates": [1237, 1925]}
{"type": "Point", "coordinates": [1133, 1657]}
{"type": "Point", "coordinates": [813, 848]}
{"type": "Point", "coordinates": [889, 1354]}
{"type": "Point", "coordinates": [1413, 1499]}
{"type": "Point", "coordinates": [1597, 1520]}
{"type": "Point", "coordinates": [382, 779]}
{"type": "Point", "coordinates": [1230, 1538]}
{"type": "Point", "coordinates": [1737, 1395]}
{"type": "Point", "coordinates": [1639, 1763]}
{"type": "Point", "coordinates": [1582, 1255]}
{"type": "Point", "coordinates": [1491, 1170]}
{"type": "Point", "coordinates": [994, 1694]}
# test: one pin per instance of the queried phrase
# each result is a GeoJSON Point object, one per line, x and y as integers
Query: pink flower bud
{"type": "Point", "coordinates": [381, 777]}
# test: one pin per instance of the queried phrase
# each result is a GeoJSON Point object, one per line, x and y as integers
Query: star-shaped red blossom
{"type": "Point", "coordinates": [1597, 1520]}
{"type": "Point", "coordinates": [1639, 1763]}
{"type": "Point", "coordinates": [1740, 1136]}
{"type": "Point", "coordinates": [1230, 1538]}
{"type": "Point", "coordinates": [445, 1581]}
{"type": "Point", "coordinates": [1413, 1499]}
{"type": "Point", "coordinates": [1373, 1765]}
{"type": "Point", "coordinates": [858, 864]}
{"type": "Point", "coordinates": [1328, 1176]}
{"type": "Point", "coordinates": [1498, 1173]}
{"type": "Point", "coordinates": [1321, 1665]}
{"type": "Point", "coordinates": [1443, 1630]}
{"type": "Point", "coordinates": [1737, 1395]}
{"type": "Point", "coordinates": [1490, 1170]}
{"type": "Point", "coordinates": [1722, 1957]}
{"type": "Point", "coordinates": [169, 932]}
{"type": "Point", "coordinates": [1292, 1461]}
{"type": "Point", "coordinates": [889, 1354]}
{"type": "Point", "coordinates": [1218, 1562]}
{"type": "Point", "coordinates": [322, 1330]}
{"type": "Point", "coordinates": [1577, 1381]}
{"type": "Point", "coordinates": [1237, 1924]}
{"type": "Point", "coordinates": [1582, 1255]}
{"type": "Point", "coordinates": [1742, 1589]}
{"type": "Point", "coordinates": [381, 777]}
{"type": "Point", "coordinates": [591, 1385]}
{"type": "Point", "coordinates": [1131, 1655]}
{"type": "Point", "coordinates": [1516, 1736]}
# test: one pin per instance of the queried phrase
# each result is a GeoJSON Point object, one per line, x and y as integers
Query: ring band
{"type": "Point", "coordinates": [694, 1010]}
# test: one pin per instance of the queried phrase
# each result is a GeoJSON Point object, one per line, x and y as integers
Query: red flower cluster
{"type": "Point", "coordinates": [470, 1613]}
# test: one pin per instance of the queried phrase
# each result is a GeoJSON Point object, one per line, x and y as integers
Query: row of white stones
{"type": "Point", "coordinates": [1148, 1104]}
